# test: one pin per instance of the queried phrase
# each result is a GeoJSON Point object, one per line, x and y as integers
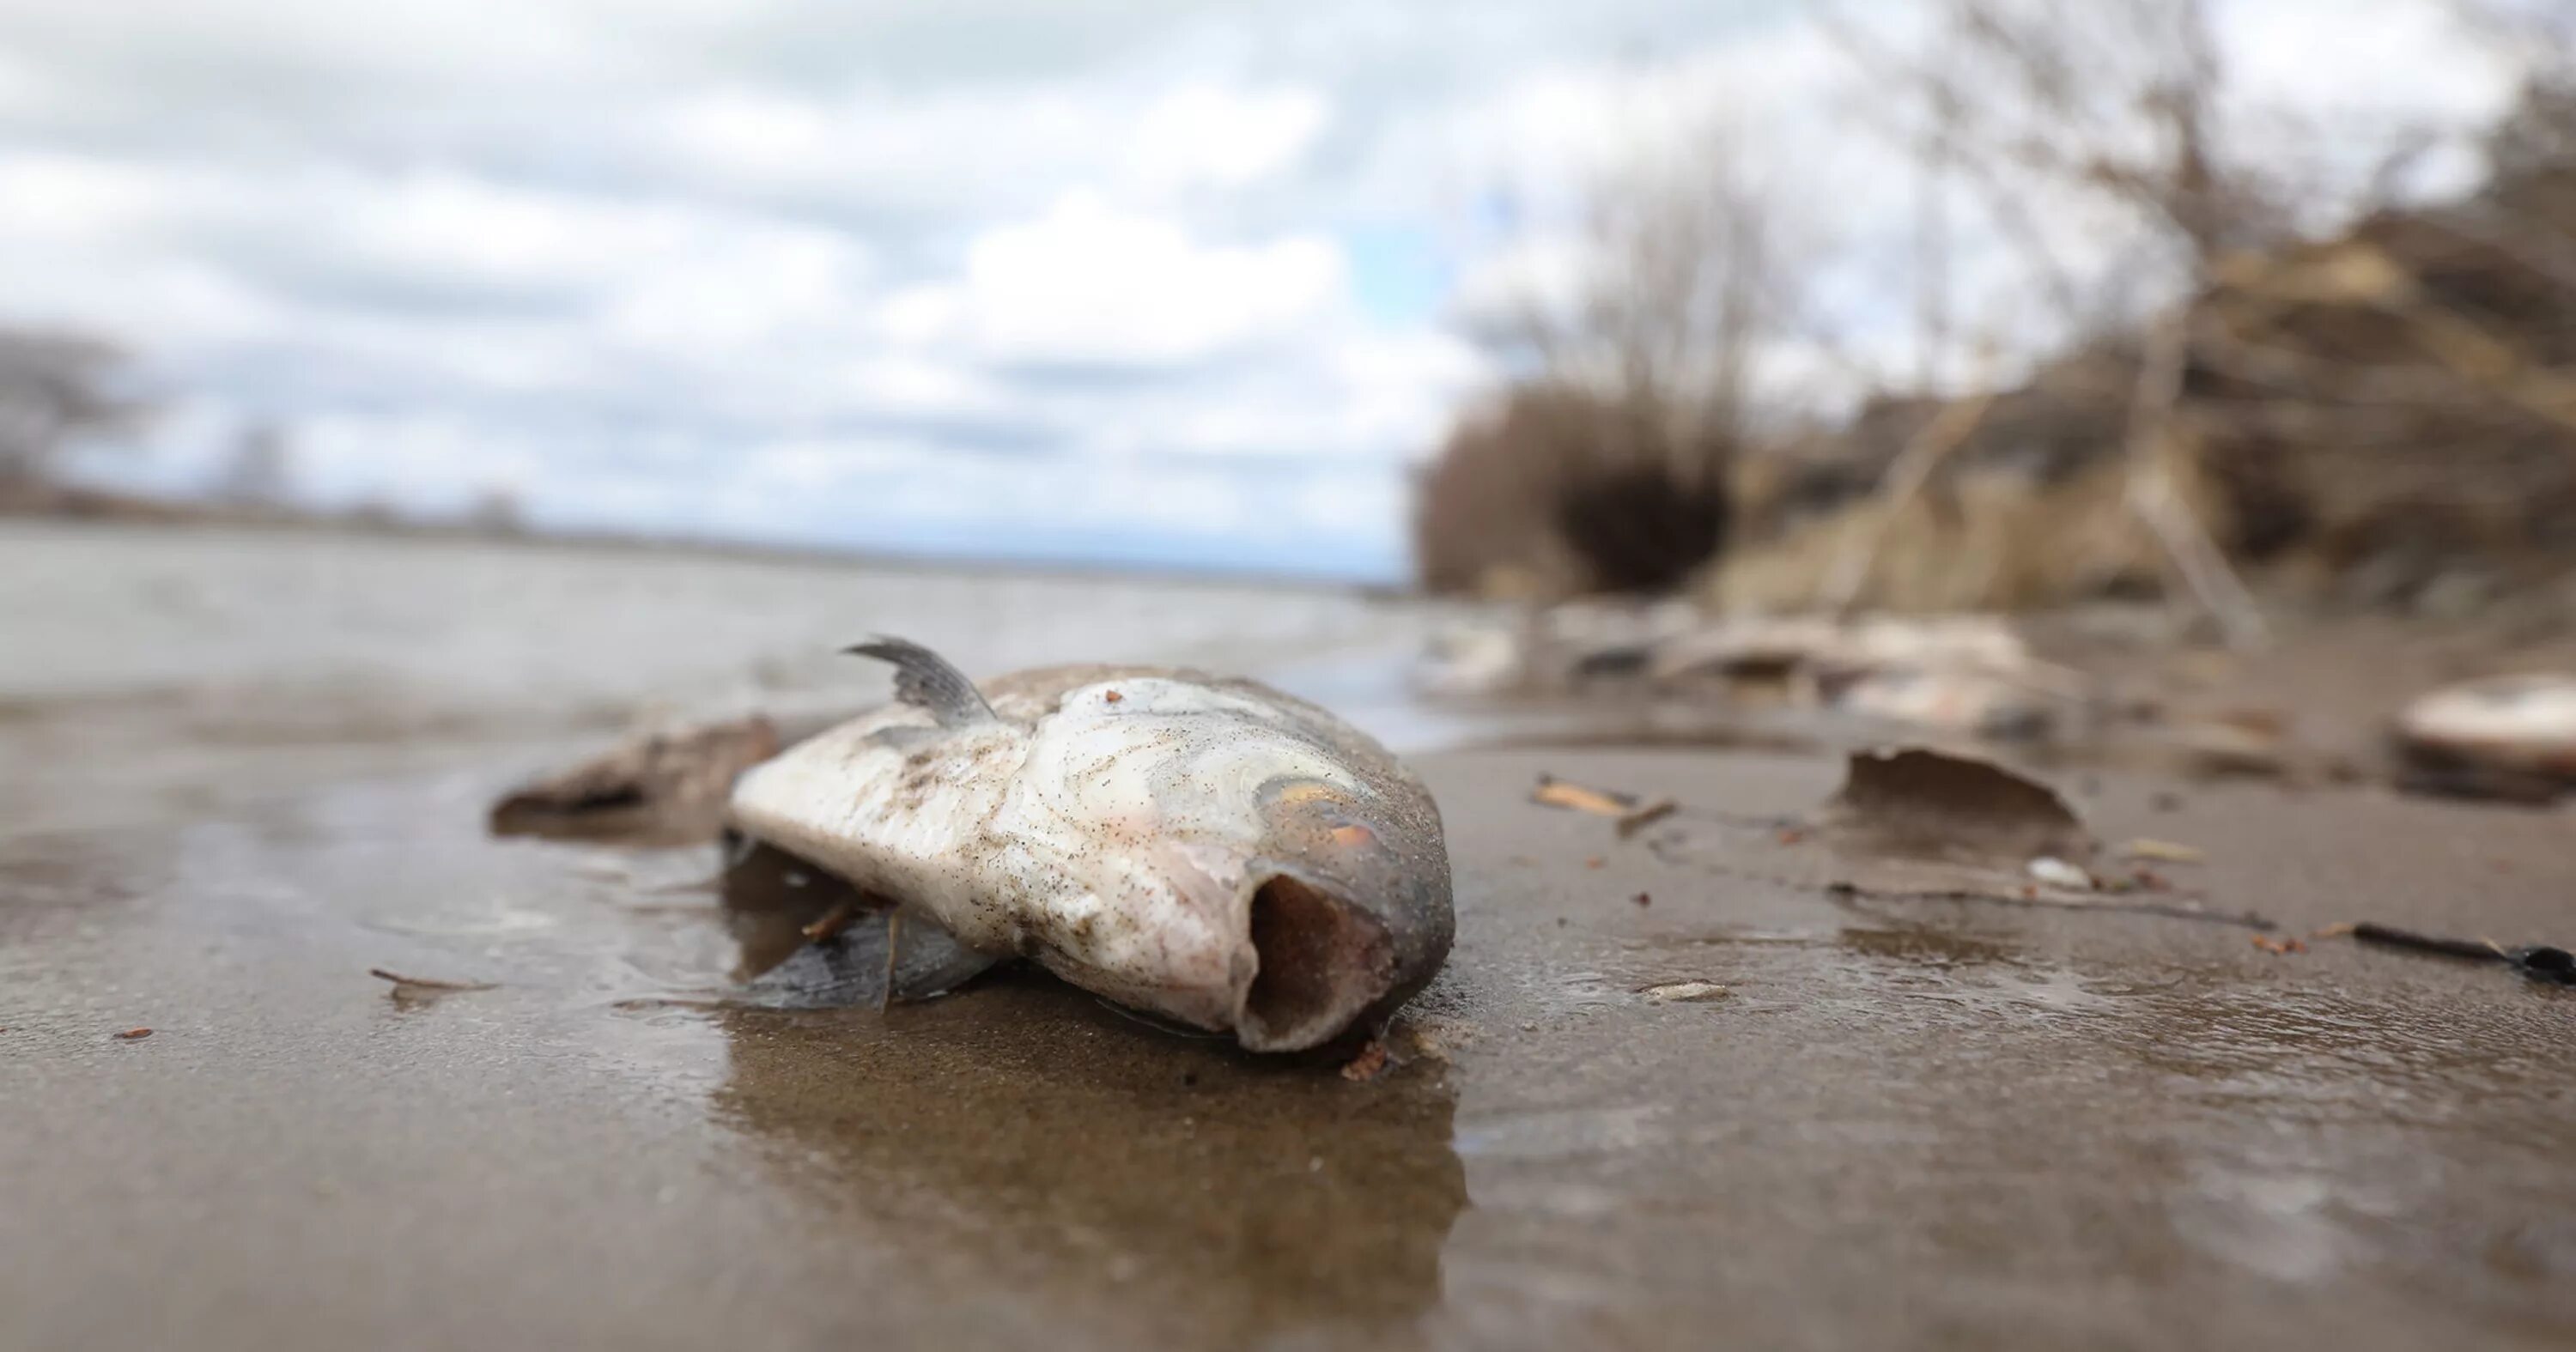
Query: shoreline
{"type": "Point", "coordinates": [110, 510]}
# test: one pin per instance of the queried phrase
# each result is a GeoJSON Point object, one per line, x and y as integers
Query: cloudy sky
{"type": "Point", "coordinates": [1108, 279]}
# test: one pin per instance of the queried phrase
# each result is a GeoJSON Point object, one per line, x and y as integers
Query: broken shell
{"type": "Point", "coordinates": [2520, 724]}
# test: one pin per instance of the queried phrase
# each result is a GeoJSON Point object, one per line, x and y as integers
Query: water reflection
{"type": "Point", "coordinates": [1065, 1155]}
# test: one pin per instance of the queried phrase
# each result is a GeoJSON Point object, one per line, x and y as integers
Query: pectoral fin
{"type": "Point", "coordinates": [885, 957]}
{"type": "Point", "coordinates": [811, 941]}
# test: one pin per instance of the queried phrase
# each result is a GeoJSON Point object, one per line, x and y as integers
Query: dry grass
{"type": "Point", "coordinates": [1557, 492]}
{"type": "Point", "coordinates": [1981, 541]}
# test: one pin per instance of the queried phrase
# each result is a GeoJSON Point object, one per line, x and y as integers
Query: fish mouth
{"type": "Point", "coordinates": [1320, 961]}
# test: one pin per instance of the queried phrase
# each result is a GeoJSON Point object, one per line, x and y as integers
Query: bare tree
{"type": "Point", "coordinates": [55, 390]}
{"type": "Point", "coordinates": [261, 470]}
{"type": "Point", "coordinates": [1608, 466]}
{"type": "Point", "coordinates": [496, 511]}
{"type": "Point", "coordinates": [2116, 102]}
{"type": "Point", "coordinates": [1688, 271]}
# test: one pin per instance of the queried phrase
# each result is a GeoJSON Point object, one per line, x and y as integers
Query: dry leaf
{"type": "Point", "coordinates": [1920, 823]}
{"type": "Point", "coordinates": [1553, 792]}
{"type": "Point", "coordinates": [2162, 851]}
{"type": "Point", "coordinates": [1932, 803]}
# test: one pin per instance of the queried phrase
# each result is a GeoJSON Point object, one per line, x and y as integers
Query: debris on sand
{"type": "Point", "coordinates": [1968, 702]}
{"type": "Point", "coordinates": [1573, 797]}
{"type": "Point", "coordinates": [1645, 815]}
{"type": "Point", "coordinates": [134, 1035]}
{"type": "Point", "coordinates": [2538, 962]}
{"type": "Point", "coordinates": [2162, 851]}
{"type": "Point", "coordinates": [664, 787]}
{"type": "Point", "coordinates": [2509, 738]}
{"type": "Point", "coordinates": [1434, 1036]}
{"type": "Point", "coordinates": [1368, 1065]}
{"type": "Point", "coordinates": [1469, 660]}
{"type": "Point", "coordinates": [1971, 675]}
{"type": "Point", "coordinates": [1918, 801]}
{"type": "Point", "coordinates": [2240, 744]}
{"type": "Point", "coordinates": [1685, 992]}
{"type": "Point", "coordinates": [832, 922]}
{"type": "Point", "coordinates": [419, 990]}
{"type": "Point", "coordinates": [1916, 823]}
{"type": "Point", "coordinates": [2057, 872]}
{"type": "Point", "coordinates": [2278, 947]}
{"type": "Point", "coordinates": [429, 983]}
{"type": "Point", "coordinates": [1765, 645]}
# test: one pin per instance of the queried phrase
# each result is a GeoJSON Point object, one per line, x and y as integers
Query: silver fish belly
{"type": "Point", "coordinates": [1202, 848]}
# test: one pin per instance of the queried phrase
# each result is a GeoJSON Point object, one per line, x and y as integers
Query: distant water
{"type": "Point", "coordinates": [316, 635]}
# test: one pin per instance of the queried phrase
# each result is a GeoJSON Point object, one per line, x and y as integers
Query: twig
{"type": "Point", "coordinates": [832, 922]}
{"type": "Point", "coordinates": [2171, 909]}
{"type": "Point", "coordinates": [2151, 492]}
{"type": "Point", "coordinates": [1645, 815]}
{"type": "Point", "coordinates": [2539, 962]}
{"type": "Point", "coordinates": [1932, 443]}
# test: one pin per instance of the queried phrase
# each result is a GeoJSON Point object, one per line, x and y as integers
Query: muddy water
{"type": "Point", "coordinates": [1929, 1123]}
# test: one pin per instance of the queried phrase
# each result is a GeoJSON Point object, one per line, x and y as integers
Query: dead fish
{"type": "Point", "coordinates": [1201, 848]}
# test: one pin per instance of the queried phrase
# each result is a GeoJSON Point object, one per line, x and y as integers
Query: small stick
{"type": "Point", "coordinates": [2152, 496]}
{"type": "Point", "coordinates": [833, 922]}
{"type": "Point", "coordinates": [1638, 819]}
{"type": "Point", "coordinates": [2169, 909]}
{"type": "Point", "coordinates": [2475, 950]}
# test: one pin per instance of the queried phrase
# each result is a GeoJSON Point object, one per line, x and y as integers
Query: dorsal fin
{"type": "Point", "coordinates": [924, 678]}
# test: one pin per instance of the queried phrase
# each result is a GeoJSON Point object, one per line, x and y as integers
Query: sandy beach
{"type": "Point", "coordinates": [1937, 1122]}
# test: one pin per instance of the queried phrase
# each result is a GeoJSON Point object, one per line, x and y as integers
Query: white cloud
{"type": "Point", "coordinates": [884, 271]}
{"type": "Point", "coordinates": [1207, 134]}
{"type": "Point", "coordinates": [1089, 284]}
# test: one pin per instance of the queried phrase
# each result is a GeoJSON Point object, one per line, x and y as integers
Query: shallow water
{"type": "Point", "coordinates": [1929, 1123]}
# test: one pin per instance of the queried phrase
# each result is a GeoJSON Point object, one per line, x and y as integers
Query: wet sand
{"type": "Point", "coordinates": [1918, 1122]}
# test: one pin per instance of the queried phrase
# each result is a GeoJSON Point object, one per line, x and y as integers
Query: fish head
{"type": "Point", "coordinates": [1236, 866]}
{"type": "Point", "coordinates": [1346, 914]}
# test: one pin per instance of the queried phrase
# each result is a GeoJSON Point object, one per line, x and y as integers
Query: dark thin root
{"type": "Point", "coordinates": [2389, 936]}
{"type": "Point", "coordinates": [2539, 962]}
